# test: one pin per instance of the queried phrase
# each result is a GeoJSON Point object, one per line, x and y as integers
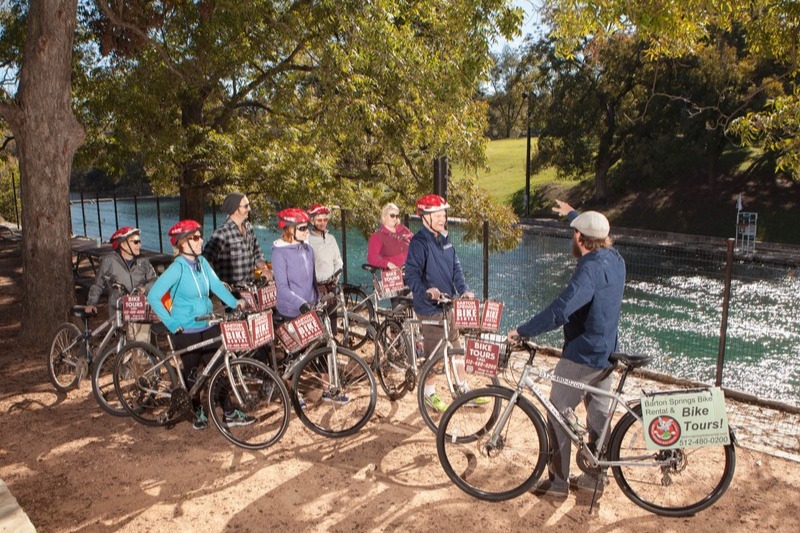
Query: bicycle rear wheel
{"type": "Point", "coordinates": [334, 409]}
{"type": "Point", "coordinates": [490, 462]}
{"type": "Point", "coordinates": [679, 482]}
{"type": "Point", "coordinates": [359, 331]}
{"type": "Point", "coordinates": [357, 301]}
{"type": "Point", "coordinates": [144, 381]}
{"type": "Point", "coordinates": [264, 408]}
{"type": "Point", "coordinates": [391, 359]}
{"type": "Point", "coordinates": [448, 388]}
{"type": "Point", "coordinates": [66, 360]}
{"type": "Point", "coordinates": [103, 383]}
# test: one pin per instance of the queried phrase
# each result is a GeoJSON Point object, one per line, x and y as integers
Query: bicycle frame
{"type": "Point", "coordinates": [527, 382]}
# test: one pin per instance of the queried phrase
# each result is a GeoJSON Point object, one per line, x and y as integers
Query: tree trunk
{"type": "Point", "coordinates": [193, 187]}
{"type": "Point", "coordinates": [47, 136]}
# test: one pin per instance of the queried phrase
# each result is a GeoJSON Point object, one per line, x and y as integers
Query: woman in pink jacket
{"type": "Point", "coordinates": [387, 248]}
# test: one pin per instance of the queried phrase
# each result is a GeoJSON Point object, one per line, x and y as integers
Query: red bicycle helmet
{"type": "Point", "coordinates": [121, 234]}
{"type": "Point", "coordinates": [318, 209]}
{"type": "Point", "coordinates": [292, 216]}
{"type": "Point", "coordinates": [431, 203]}
{"type": "Point", "coordinates": [182, 229]}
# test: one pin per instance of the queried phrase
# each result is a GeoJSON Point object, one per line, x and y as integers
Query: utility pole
{"type": "Point", "coordinates": [529, 97]}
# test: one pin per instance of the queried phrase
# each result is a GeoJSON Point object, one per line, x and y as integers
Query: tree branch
{"type": "Point", "coordinates": [117, 21]}
{"type": "Point", "coordinates": [5, 143]}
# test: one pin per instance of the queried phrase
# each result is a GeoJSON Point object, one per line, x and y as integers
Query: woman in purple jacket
{"type": "Point", "coordinates": [387, 248]}
{"type": "Point", "coordinates": [293, 264]}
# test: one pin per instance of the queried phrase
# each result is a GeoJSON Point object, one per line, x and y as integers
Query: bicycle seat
{"type": "Point", "coordinates": [80, 312]}
{"type": "Point", "coordinates": [633, 360]}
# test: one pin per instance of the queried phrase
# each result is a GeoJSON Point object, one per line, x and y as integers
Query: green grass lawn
{"type": "Point", "coordinates": [506, 173]}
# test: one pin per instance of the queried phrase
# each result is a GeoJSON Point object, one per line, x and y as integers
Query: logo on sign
{"type": "Point", "coordinates": [481, 357]}
{"type": "Point", "coordinates": [234, 335]}
{"type": "Point", "coordinates": [268, 297]}
{"type": "Point", "coordinates": [134, 308]}
{"type": "Point", "coordinates": [665, 430]}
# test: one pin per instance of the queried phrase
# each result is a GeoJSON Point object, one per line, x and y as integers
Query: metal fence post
{"type": "Point", "coordinates": [116, 213]}
{"type": "Point", "coordinates": [14, 189]}
{"type": "Point", "coordinates": [160, 233]}
{"type": "Point", "coordinates": [726, 300]}
{"type": "Point", "coordinates": [83, 214]}
{"type": "Point", "coordinates": [344, 244]}
{"type": "Point", "coordinates": [485, 259]}
{"type": "Point", "coordinates": [99, 222]}
{"type": "Point", "coordinates": [136, 209]}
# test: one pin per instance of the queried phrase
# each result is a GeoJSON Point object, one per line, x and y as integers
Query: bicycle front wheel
{"type": "Point", "coordinates": [488, 461]}
{"type": "Point", "coordinates": [103, 383]}
{"type": "Point", "coordinates": [144, 381]}
{"type": "Point", "coordinates": [356, 301]}
{"type": "Point", "coordinates": [65, 362]}
{"type": "Point", "coordinates": [448, 384]}
{"type": "Point", "coordinates": [391, 359]}
{"type": "Point", "coordinates": [249, 405]}
{"type": "Point", "coordinates": [334, 401]}
{"type": "Point", "coordinates": [678, 482]}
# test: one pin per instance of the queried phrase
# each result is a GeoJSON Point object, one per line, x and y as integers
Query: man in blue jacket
{"type": "Point", "coordinates": [588, 309]}
{"type": "Point", "coordinates": [433, 269]}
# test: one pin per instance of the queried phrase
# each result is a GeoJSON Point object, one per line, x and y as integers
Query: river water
{"type": "Point", "coordinates": [671, 309]}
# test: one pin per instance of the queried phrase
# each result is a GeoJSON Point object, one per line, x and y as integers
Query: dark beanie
{"type": "Point", "coordinates": [231, 202]}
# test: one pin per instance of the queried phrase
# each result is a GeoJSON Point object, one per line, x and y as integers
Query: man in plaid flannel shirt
{"type": "Point", "coordinates": [233, 249]}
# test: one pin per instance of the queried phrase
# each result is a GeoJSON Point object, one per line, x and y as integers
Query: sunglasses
{"type": "Point", "coordinates": [196, 238]}
{"type": "Point", "coordinates": [394, 215]}
{"type": "Point", "coordinates": [136, 241]}
{"type": "Point", "coordinates": [301, 228]}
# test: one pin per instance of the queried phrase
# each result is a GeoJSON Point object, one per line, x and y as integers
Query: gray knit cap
{"type": "Point", "coordinates": [231, 202]}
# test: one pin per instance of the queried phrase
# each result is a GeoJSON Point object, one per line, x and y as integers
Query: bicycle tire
{"type": "Point", "coordinates": [264, 397]}
{"type": "Point", "coordinates": [144, 382]}
{"type": "Point", "coordinates": [103, 388]}
{"type": "Point", "coordinates": [360, 331]}
{"type": "Point", "coordinates": [672, 490]}
{"type": "Point", "coordinates": [66, 357]}
{"type": "Point", "coordinates": [433, 370]}
{"type": "Point", "coordinates": [391, 359]}
{"type": "Point", "coordinates": [490, 471]}
{"type": "Point", "coordinates": [357, 384]}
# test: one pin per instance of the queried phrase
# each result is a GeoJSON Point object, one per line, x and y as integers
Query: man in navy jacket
{"type": "Point", "coordinates": [433, 269]}
{"type": "Point", "coordinates": [588, 309]}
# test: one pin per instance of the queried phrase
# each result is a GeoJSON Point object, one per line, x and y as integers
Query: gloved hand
{"type": "Point", "coordinates": [305, 308]}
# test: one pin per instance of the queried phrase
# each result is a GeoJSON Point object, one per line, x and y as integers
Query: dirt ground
{"type": "Point", "coordinates": [74, 468]}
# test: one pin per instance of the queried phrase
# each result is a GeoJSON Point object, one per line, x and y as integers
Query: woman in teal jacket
{"type": "Point", "coordinates": [181, 294]}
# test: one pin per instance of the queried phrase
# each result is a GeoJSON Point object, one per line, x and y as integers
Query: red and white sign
{"type": "Point", "coordinates": [267, 296]}
{"type": "Point", "coordinates": [481, 357]}
{"type": "Point", "coordinates": [300, 332]}
{"type": "Point", "coordinates": [391, 283]}
{"type": "Point", "coordinates": [492, 315]}
{"type": "Point", "coordinates": [466, 313]}
{"type": "Point", "coordinates": [260, 327]}
{"type": "Point", "coordinates": [251, 303]}
{"type": "Point", "coordinates": [235, 336]}
{"type": "Point", "coordinates": [134, 308]}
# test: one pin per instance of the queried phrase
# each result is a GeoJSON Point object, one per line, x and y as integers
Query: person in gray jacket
{"type": "Point", "coordinates": [125, 267]}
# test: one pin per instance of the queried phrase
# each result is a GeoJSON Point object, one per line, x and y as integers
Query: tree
{"type": "Point", "coordinates": [47, 136]}
{"type": "Point", "coordinates": [595, 98]}
{"type": "Point", "coordinates": [771, 32]}
{"type": "Point", "coordinates": [507, 85]}
{"type": "Point", "coordinates": [338, 101]}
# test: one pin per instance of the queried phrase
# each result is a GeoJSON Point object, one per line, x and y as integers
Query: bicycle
{"type": "Point", "coordinates": [398, 355]}
{"type": "Point", "coordinates": [332, 389]}
{"type": "Point", "coordinates": [499, 452]}
{"type": "Point", "coordinates": [353, 330]}
{"type": "Point", "coordinates": [153, 391]}
{"type": "Point", "coordinates": [72, 355]}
